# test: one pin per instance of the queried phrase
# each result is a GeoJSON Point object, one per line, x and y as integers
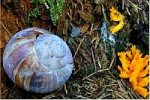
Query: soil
{"type": "Point", "coordinates": [95, 74]}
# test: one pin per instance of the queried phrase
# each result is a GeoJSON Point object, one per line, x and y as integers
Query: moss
{"type": "Point", "coordinates": [55, 7]}
{"type": "Point", "coordinates": [35, 12]}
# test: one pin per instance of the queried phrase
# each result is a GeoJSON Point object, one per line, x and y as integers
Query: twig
{"type": "Point", "coordinates": [100, 70]}
{"type": "Point", "coordinates": [9, 34]}
{"type": "Point", "coordinates": [92, 29]}
{"type": "Point", "coordinates": [82, 97]}
{"type": "Point", "coordinates": [135, 6]}
{"type": "Point", "coordinates": [79, 47]}
{"type": "Point", "coordinates": [47, 7]}
{"type": "Point", "coordinates": [99, 64]}
{"type": "Point", "coordinates": [106, 95]}
{"type": "Point", "coordinates": [123, 4]}
{"type": "Point", "coordinates": [128, 11]}
{"type": "Point", "coordinates": [66, 91]}
{"type": "Point", "coordinates": [118, 94]}
{"type": "Point", "coordinates": [69, 16]}
{"type": "Point", "coordinates": [91, 80]}
{"type": "Point", "coordinates": [49, 96]}
{"type": "Point", "coordinates": [93, 57]}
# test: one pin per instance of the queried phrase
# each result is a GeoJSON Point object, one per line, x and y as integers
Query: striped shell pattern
{"type": "Point", "coordinates": [37, 61]}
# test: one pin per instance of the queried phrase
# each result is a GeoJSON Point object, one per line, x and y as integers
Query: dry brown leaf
{"type": "Point", "coordinates": [84, 28]}
{"type": "Point", "coordinates": [2, 44]}
{"type": "Point", "coordinates": [87, 17]}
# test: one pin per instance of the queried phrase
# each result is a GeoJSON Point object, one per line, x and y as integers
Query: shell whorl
{"type": "Point", "coordinates": [37, 60]}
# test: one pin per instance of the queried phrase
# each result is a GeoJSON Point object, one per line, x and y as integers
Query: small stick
{"type": "Point", "coordinates": [9, 34]}
{"type": "Point", "coordinates": [93, 57]}
{"type": "Point", "coordinates": [135, 6]}
{"type": "Point", "coordinates": [79, 46]}
{"type": "Point", "coordinates": [123, 4]}
{"type": "Point", "coordinates": [128, 11]}
{"type": "Point", "coordinates": [99, 64]}
{"type": "Point", "coordinates": [66, 91]}
{"type": "Point", "coordinates": [46, 5]}
{"type": "Point", "coordinates": [100, 70]}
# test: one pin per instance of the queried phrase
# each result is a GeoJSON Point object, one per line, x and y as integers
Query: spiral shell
{"type": "Point", "coordinates": [37, 61]}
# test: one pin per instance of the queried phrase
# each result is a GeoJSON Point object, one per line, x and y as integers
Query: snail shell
{"type": "Point", "coordinates": [37, 61]}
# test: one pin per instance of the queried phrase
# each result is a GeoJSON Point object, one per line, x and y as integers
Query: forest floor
{"type": "Point", "coordinates": [81, 25]}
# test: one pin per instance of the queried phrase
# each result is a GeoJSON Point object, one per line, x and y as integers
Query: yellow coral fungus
{"type": "Point", "coordinates": [116, 16]}
{"type": "Point", "coordinates": [136, 69]}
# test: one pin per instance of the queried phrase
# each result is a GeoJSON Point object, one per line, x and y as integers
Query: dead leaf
{"type": "Point", "coordinates": [87, 17]}
{"type": "Point", "coordinates": [2, 44]}
{"type": "Point", "coordinates": [25, 5]}
{"type": "Point", "coordinates": [84, 28]}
